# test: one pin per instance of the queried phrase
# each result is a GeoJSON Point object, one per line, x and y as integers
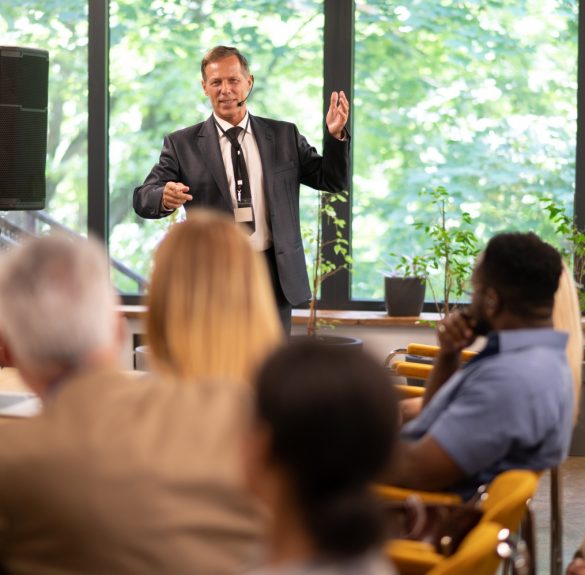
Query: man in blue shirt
{"type": "Point", "coordinates": [511, 406]}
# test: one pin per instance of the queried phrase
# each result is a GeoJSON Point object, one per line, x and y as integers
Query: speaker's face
{"type": "Point", "coordinates": [226, 86]}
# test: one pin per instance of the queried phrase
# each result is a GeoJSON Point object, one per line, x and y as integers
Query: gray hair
{"type": "Point", "coordinates": [56, 300]}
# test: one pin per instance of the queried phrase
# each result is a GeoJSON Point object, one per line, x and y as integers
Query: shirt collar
{"type": "Point", "coordinates": [226, 125]}
{"type": "Point", "coordinates": [517, 339]}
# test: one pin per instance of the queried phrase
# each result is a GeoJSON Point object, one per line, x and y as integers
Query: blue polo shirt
{"type": "Point", "coordinates": [509, 408]}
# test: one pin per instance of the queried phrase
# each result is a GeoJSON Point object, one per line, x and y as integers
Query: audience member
{"type": "Point", "coordinates": [511, 406]}
{"type": "Point", "coordinates": [567, 317]}
{"type": "Point", "coordinates": [211, 311]}
{"type": "Point", "coordinates": [325, 422]}
{"type": "Point", "coordinates": [119, 474]}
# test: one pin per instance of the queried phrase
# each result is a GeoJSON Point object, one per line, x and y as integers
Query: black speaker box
{"type": "Point", "coordinates": [24, 91]}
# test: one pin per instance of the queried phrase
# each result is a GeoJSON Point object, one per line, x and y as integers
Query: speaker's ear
{"type": "Point", "coordinates": [24, 83]}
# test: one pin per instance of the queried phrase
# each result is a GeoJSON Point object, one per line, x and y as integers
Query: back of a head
{"type": "Point", "coordinates": [211, 310]}
{"type": "Point", "coordinates": [332, 418]}
{"type": "Point", "coordinates": [523, 269]}
{"type": "Point", "coordinates": [56, 300]}
{"type": "Point", "coordinates": [567, 317]}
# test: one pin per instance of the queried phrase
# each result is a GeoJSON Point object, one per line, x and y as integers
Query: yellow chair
{"type": "Point", "coordinates": [413, 369]}
{"type": "Point", "coordinates": [409, 391]}
{"type": "Point", "coordinates": [504, 502]}
{"type": "Point", "coordinates": [481, 553]}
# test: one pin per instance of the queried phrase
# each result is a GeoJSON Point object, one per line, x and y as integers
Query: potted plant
{"type": "Point", "coordinates": [405, 286]}
{"type": "Point", "coordinates": [323, 265]}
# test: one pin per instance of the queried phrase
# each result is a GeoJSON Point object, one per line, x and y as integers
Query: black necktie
{"type": "Point", "coordinates": [243, 193]}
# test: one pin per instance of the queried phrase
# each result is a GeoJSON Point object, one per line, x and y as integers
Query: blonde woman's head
{"type": "Point", "coordinates": [211, 310]}
{"type": "Point", "coordinates": [567, 317]}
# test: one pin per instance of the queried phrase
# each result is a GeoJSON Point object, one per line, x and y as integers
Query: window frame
{"type": "Point", "coordinates": [338, 64]}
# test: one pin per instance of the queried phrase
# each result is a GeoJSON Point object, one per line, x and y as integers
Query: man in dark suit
{"type": "Point", "coordinates": [251, 167]}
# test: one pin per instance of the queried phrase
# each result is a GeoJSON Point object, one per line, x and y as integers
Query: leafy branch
{"type": "Point", "coordinates": [323, 267]}
{"type": "Point", "coordinates": [454, 245]}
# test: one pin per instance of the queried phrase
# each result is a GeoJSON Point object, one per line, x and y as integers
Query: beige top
{"type": "Point", "coordinates": [127, 475]}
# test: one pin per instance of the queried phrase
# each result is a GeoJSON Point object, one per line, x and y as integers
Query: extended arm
{"type": "Point", "coordinates": [161, 193]}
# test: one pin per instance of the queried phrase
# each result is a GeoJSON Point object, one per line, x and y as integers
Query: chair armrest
{"type": "Point", "coordinates": [393, 493]}
{"type": "Point", "coordinates": [408, 391]}
{"type": "Point", "coordinates": [411, 369]}
{"type": "Point", "coordinates": [425, 350]}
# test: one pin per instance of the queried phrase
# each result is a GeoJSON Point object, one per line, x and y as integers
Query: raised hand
{"type": "Point", "coordinates": [337, 114]}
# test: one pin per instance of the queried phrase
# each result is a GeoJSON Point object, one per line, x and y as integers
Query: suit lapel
{"type": "Point", "coordinates": [208, 144]}
{"type": "Point", "coordinates": [265, 141]}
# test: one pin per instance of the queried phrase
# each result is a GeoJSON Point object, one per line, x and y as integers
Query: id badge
{"type": "Point", "coordinates": [244, 215]}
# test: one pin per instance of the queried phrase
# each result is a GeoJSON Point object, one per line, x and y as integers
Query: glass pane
{"type": "Point", "coordinates": [60, 28]}
{"type": "Point", "coordinates": [478, 97]}
{"type": "Point", "coordinates": [155, 88]}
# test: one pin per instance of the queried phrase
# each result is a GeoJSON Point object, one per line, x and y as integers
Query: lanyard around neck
{"type": "Point", "coordinates": [245, 130]}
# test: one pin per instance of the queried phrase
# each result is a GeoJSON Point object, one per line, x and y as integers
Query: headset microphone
{"type": "Point", "coordinates": [242, 102]}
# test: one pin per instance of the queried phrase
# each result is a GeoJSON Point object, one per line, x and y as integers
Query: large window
{"type": "Point", "coordinates": [62, 29]}
{"type": "Point", "coordinates": [479, 97]}
{"type": "Point", "coordinates": [155, 88]}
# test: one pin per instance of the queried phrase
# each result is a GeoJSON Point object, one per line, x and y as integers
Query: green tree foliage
{"type": "Point", "coordinates": [478, 96]}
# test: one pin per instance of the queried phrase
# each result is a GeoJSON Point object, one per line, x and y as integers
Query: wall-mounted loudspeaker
{"type": "Point", "coordinates": [24, 82]}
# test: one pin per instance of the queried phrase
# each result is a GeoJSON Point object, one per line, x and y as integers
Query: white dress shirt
{"type": "Point", "coordinates": [261, 239]}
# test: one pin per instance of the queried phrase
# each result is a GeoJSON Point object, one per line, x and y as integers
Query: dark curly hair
{"type": "Point", "coordinates": [523, 269]}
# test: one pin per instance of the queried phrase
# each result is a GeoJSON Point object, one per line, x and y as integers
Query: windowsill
{"type": "Point", "coordinates": [365, 318]}
{"type": "Point", "coordinates": [339, 317]}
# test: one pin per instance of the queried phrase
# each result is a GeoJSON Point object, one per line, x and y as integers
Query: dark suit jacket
{"type": "Point", "coordinates": [193, 156]}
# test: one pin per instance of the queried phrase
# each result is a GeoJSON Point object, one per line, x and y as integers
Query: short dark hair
{"type": "Point", "coordinates": [523, 269]}
{"type": "Point", "coordinates": [332, 414]}
{"type": "Point", "coordinates": [221, 52]}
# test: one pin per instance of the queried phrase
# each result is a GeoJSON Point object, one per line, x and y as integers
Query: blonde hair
{"type": "Point", "coordinates": [567, 317]}
{"type": "Point", "coordinates": [211, 309]}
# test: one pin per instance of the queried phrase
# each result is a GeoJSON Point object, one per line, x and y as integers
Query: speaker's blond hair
{"type": "Point", "coordinates": [211, 310]}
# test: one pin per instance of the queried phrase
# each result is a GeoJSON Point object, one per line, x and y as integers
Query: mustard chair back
{"type": "Point", "coordinates": [477, 554]}
{"type": "Point", "coordinates": [507, 496]}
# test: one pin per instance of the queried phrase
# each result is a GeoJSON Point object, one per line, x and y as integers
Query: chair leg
{"type": "Point", "coordinates": [556, 522]}
{"type": "Point", "coordinates": [527, 532]}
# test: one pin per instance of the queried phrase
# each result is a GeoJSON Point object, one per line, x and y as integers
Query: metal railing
{"type": "Point", "coordinates": [14, 229]}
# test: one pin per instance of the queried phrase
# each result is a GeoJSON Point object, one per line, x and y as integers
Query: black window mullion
{"type": "Point", "coordinates": [97, 141]}
{"type": "Point", "coordinates": [338, 75]}
{"type": "Point", "coordinates": [580, 153]}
